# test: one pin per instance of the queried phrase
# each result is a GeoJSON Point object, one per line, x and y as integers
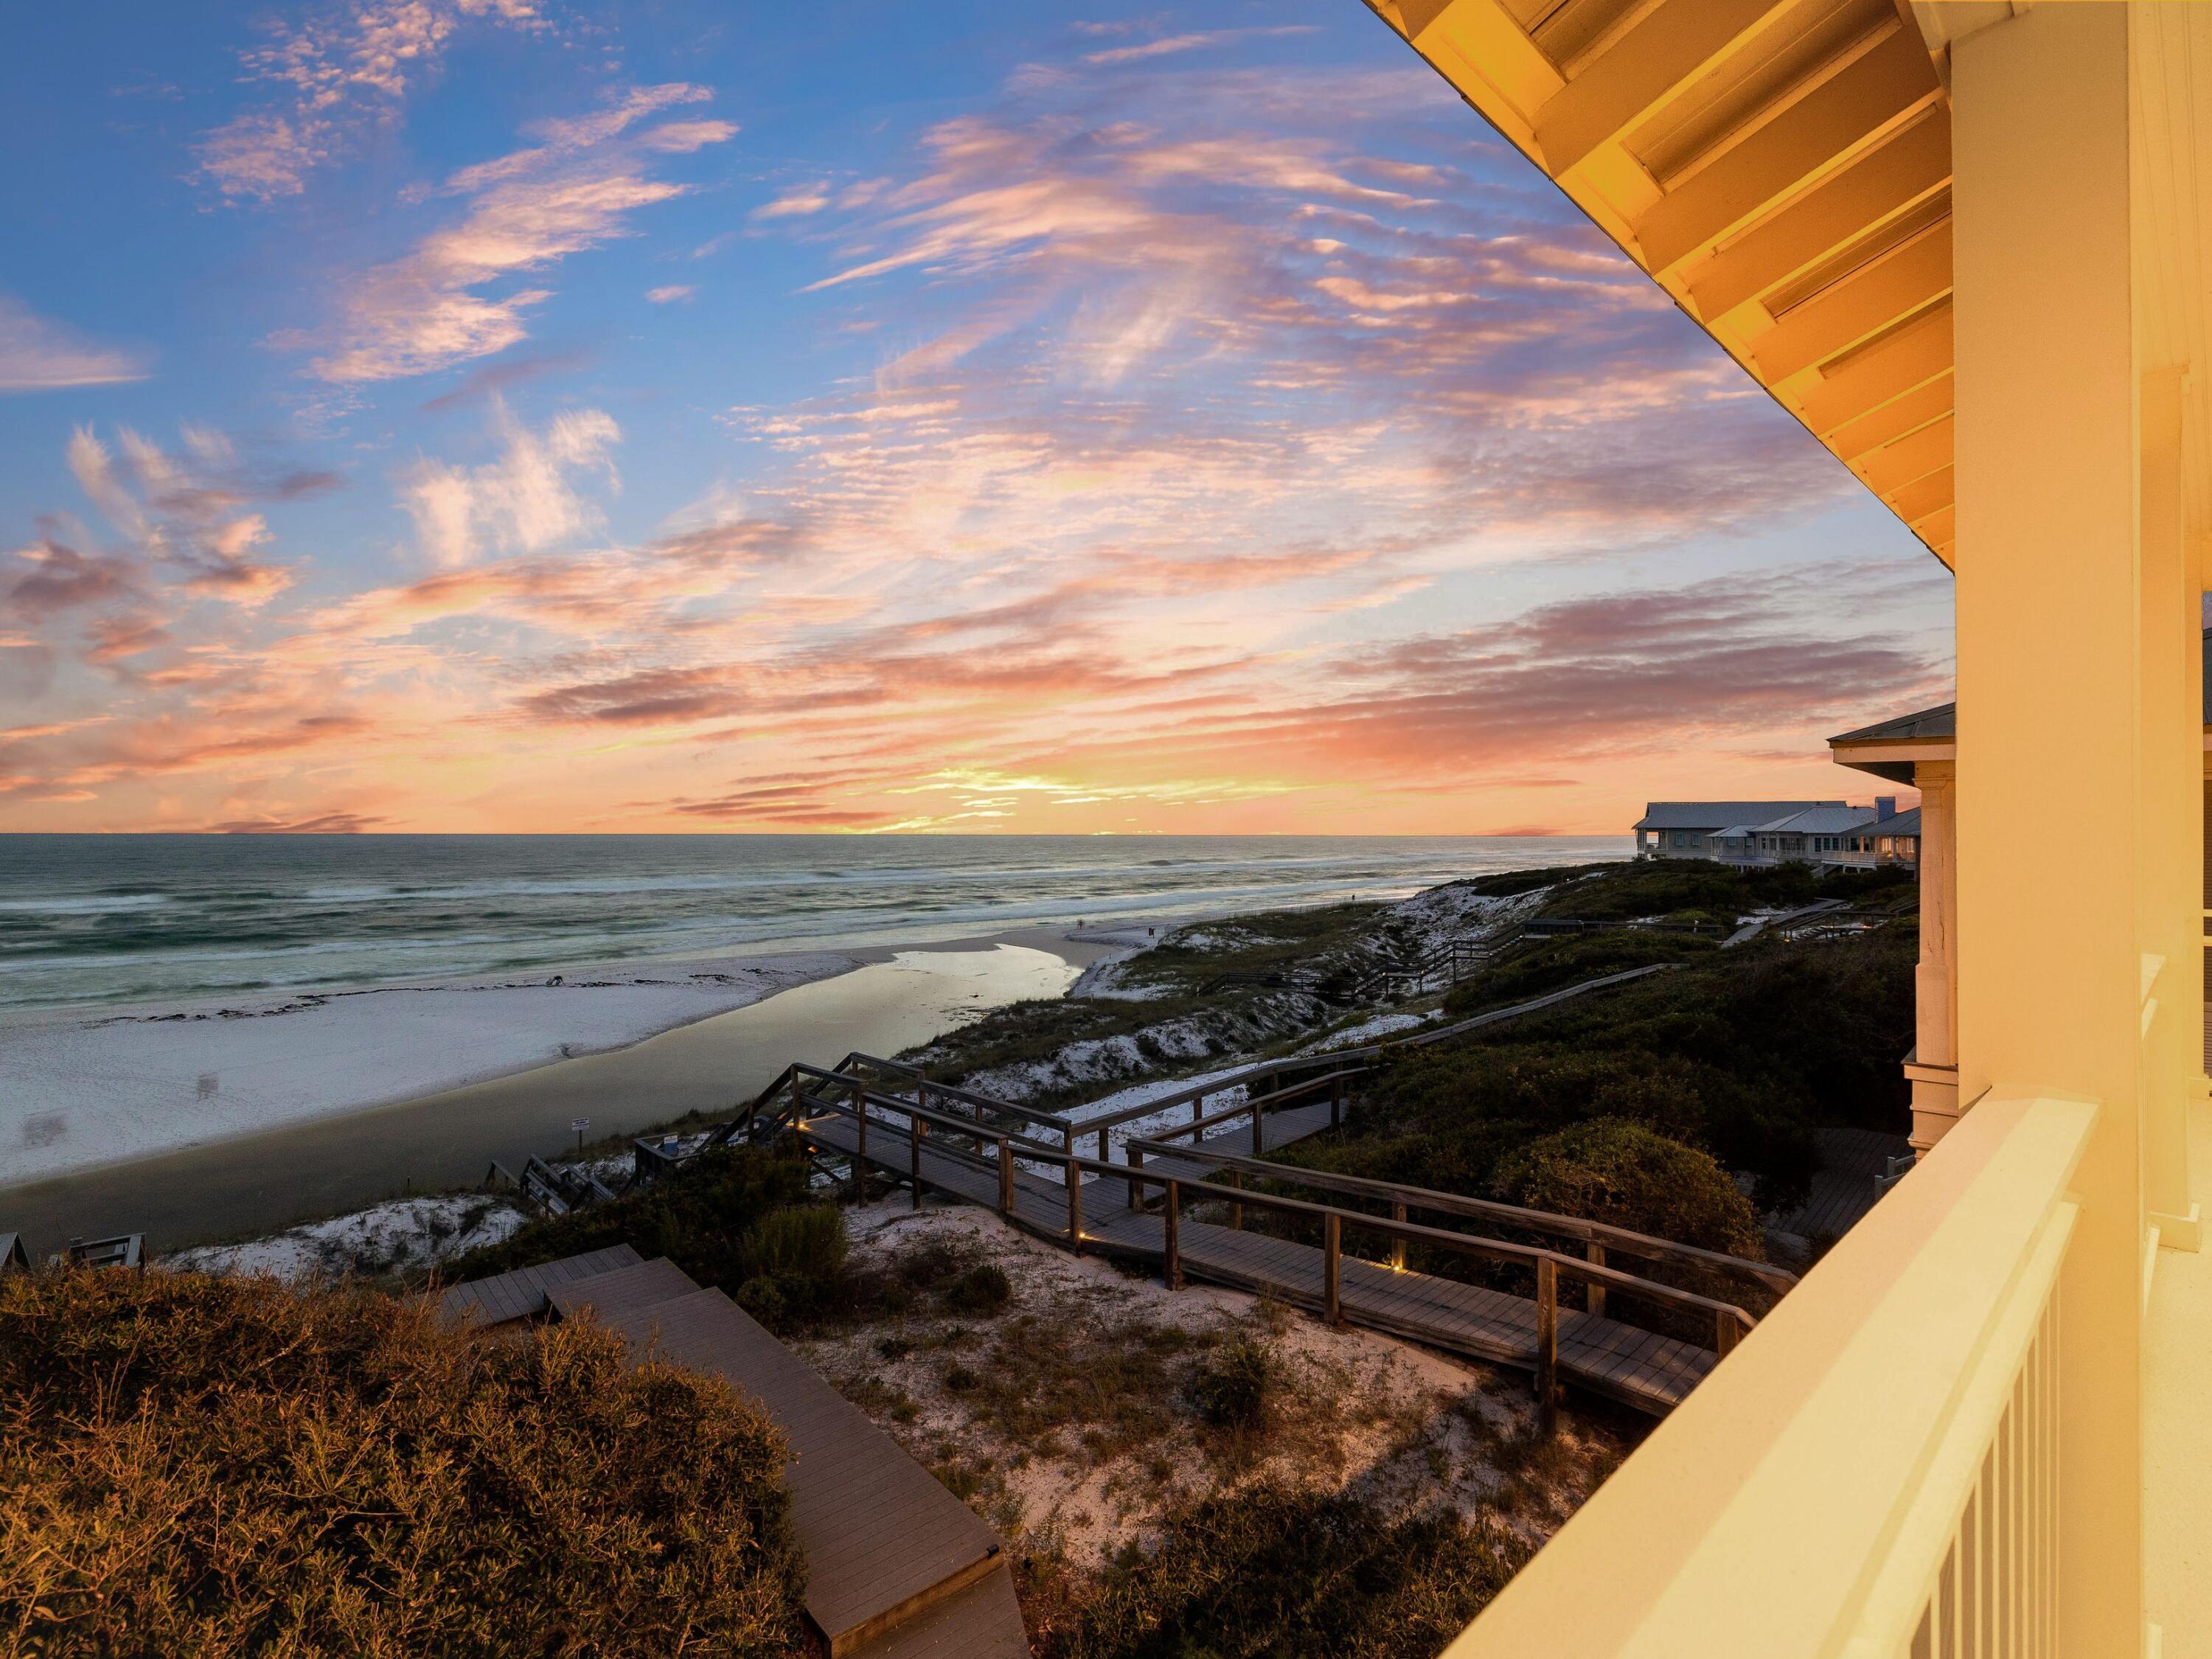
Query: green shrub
{"type": "Point", "coordinates": [699, 1216]}
{"type": "Point", "coordinates": [805, 1242]}
{"type": "Point", "coordinates": [984, 1288]}
{"type": "Point", "coordinates": [1556, 963]}
{"type": "Point", "coordinates": [1268, 1572]}
{"type": "Point", "coordinates": [742, 1217]}
{"type": "Point", "coordinates": [200, 1465]}
{"type": "Point", "coordinates": [1232, 1386]}
{"type": "Point", "coordinates": [1623, 1175]}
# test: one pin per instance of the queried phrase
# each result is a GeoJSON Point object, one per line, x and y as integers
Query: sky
{"type": "Point", "coordinates": [521, 415]}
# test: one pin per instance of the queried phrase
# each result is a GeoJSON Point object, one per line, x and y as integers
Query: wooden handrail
{"type": "Point", "coordinates": [1228, 1080]}
{"type": "Point", "coordinates": [1526, 1256]}
{"type": "Point", "coordinates": [1646, 1245]}
{"type": "Point", "coordinates": [1728, 1320]}
{"type": "Point", "coordinates": [1585, 1272]}
{"type": "Point", "coordinates": [1034, 1114]}
{"type": "Point", "coordinates": [1258, 1101]}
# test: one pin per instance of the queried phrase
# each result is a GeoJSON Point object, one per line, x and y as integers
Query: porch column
{"type": "Point", "coordinates": [2054, 703]}
{"type": "Point", "coordinates": [1934, 1069]}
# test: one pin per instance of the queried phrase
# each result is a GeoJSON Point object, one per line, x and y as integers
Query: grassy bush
{"type": "Point", "coordinates": [1556, 963]}
{"type": "Point", "coordinates": [1271, 1573]}
{"type": "Point", "coordinates": [983, 1288]}
{"type": "Point", "coordinates": [1741, 1053]}
{"type": "Point", "coordinates": [1669, 887]}
{"type": "Point", "coordinates": [1232, 1386]}
{"type": "Point", "coordinates": [1624, 1174]}
{"type": "Point", "coordinates": [741, 1218]}
{"type": "Point", "coordinates": [195, 1466]}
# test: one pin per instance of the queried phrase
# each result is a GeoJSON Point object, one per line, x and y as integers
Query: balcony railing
{"type": "Point", "coordinates": [1873, 1472]}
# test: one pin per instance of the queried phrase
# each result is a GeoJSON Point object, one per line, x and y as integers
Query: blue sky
{"type": "Point", "coordinates": [497, 414]}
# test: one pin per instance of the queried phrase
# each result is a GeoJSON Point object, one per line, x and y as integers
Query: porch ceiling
{"type": "Point", "coordinates": [1783, 170]}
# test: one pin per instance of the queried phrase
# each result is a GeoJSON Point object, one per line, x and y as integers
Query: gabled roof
{"type": "Point", "coordinates": [1827, 820]}
{"type": "Point", "coordinates": [1718, 814]}
{"type": "Point", "coordinates": [1905, 823]}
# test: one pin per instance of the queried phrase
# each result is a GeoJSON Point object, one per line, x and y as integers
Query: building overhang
{"type": "Point", "coordinates": [1891, 749]}
{"type": "Point", "coordinates": [1782, 170]}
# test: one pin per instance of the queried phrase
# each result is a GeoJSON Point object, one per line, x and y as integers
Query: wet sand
{"type": "Point", "coordinates": [261, 1183]}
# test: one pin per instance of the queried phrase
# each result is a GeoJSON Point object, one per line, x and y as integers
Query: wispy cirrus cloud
{"type": "Point", "coordinates": [194, 509]}
{"type": "Point", "coordinates": [528, 211]}
{"type": "Point", "coordinates": [1245, 448]}
{"type": "Point", "coordinates": [1167, 45]}
{"type": "Point", "coordinates": [335, 72]}
{"type": "Point", "coordinates": [38, 354]}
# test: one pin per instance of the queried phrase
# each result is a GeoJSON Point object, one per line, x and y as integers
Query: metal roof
{"type": "Point", "coordinates": [1905, 823]}
{"type": "Point", "coordinates": [1829, 820]}
{"type": "Point", "coordinates": [1715, 815]}
{"type": "Point", "coordinates": [1718, 814]}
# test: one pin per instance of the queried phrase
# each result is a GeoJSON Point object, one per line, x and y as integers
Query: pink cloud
{"type": "Point", "coordinates": [529, 211]}
{"type": "Point", "coordinates": [337, 70]}
{"type": "Point", "coordinates": [39, 355]}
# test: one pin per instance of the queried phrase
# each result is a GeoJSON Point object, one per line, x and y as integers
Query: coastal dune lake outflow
{"type": "Point", "coordinates": [299, 1021]}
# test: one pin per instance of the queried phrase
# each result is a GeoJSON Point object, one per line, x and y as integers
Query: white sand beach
{"type": "Point", "coordinates": [84, 1087]}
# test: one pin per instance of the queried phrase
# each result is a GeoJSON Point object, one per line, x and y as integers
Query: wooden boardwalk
{"type": "Point", "coordinates": [1637, 1368]}
{"type": "Point", "coordinates": [1854, 1163]}
{"type": "Point", "coordinates": [897, 1568]}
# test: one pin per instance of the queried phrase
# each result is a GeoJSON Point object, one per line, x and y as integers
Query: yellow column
{"type": "Point", "coordinates": [1934, 1070]}
{"type": "Point", "coordinates": [2171, 828]}
{"type": "Point", "coordinates": [2051, 702]}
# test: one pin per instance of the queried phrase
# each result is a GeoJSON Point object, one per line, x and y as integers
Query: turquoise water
{"type": "Point", "coordinates": [107, 919]}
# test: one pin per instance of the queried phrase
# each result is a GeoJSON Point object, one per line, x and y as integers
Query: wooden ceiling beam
{"type": "Point", "coordinates": [1666, 51]}
{"type": "Point", "coordinates": [1914, 456]}
{"type": "Point", "coordinates": [1916, 501]}
{"type": "Point", "coordinates": [1915, 355]}
{"type": "Point", "coordinates": [1476, 44]}
{"type": "Point", "coordinates": [1860, 437]}
{"type": "Point", "coordinates": [1881, 90]}
{"type": "Point", "coordinates": [1885, 182]}
{"type": "Point", "coordinates": [1860, 307]}
{"type": "Point", "coordinates": [1941, 531]}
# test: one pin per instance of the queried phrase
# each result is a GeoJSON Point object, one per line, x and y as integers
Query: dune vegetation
{"type": "Point", "coordinates": [196, 1465]}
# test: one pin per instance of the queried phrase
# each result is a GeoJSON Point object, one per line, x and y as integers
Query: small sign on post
{"type": "Point", "coordinates": [579, 1125]}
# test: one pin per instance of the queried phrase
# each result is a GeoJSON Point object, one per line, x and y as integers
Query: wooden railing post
{"type": "Point", "coordinates": [914, 1135]}
{"type": "Point", "coordinates": [1258, 1144]}
{"type": "Point", "coordinates": [1135, 1155]}
{"type": "Point", "coordinates": [1594, 1292]}
{"type": "Point", "coordinates": [1726, 1332]}
{"type": "Point", "coordinates": [1547, 1347]}
{"type": "Point", "coordinates": [1103, 1156]}
{"type": "Point", "coordinates": [860, 1134]}
{"type": "Point", "coordinates": [1074, 1207]}
{"type": "Point", "coordinates": [1197, 1107]}
{"type": "Point", "coordinates": [797, 1099]}
{"type": "Point", "coordinates": [1006, 1177]}
{"type": "Point", "coordinates": [1331, 1247]}
{"type": "Point", "coordinates": [1236, 1210]}
{"type": "Point", "coordinates": [1171, 1217]}
{"type": "Point", "coordinates": [1398, 1245]}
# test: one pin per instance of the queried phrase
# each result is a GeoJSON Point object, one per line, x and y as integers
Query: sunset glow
{"type": "Point", "coordinates": [477, 415]}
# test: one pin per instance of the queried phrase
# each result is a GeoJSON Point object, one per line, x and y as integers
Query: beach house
{"type": "Point", "coordinates": [1693, 829]}
{"type": "Point", "coordinates": [1963, 243]}
{"type": "Point", "coordinates": [1827, 833]}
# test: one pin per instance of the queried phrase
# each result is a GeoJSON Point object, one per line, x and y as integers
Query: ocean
{"type": "Point", "coordinates": [125, 919]}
